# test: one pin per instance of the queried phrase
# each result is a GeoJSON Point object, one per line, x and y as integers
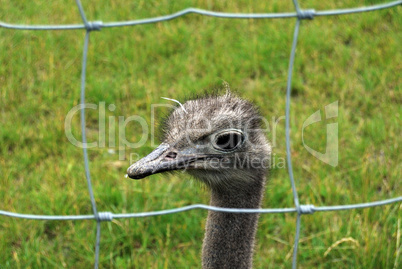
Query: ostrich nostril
{"type": "Point", "coordinates": [171, 155]}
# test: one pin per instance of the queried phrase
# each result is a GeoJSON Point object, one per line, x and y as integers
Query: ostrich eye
{"type": "Point", "coordinates": [228, 141]}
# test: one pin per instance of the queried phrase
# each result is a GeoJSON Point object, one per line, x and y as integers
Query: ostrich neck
{"type": "Point", "coordinates": [229, 237]}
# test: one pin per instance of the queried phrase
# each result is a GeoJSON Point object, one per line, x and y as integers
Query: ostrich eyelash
{"type": "Point", "coordinates": [174, 100]}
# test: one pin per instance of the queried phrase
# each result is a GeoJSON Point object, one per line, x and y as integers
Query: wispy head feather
{"type": "Point", "coordinates": [174, 100]}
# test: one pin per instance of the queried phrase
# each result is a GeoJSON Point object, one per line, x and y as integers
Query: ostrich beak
{"type": "Point", "coordinates": [164, 158]}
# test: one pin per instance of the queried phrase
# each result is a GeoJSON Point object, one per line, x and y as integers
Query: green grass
{"type": "Point", "coordinates": [355, 59]}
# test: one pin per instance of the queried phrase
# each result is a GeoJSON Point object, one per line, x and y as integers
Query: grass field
{"type": "Point", "coordinates": [351, 59]}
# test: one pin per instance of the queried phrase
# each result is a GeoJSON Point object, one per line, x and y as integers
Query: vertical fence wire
{"type": "Point", "coordinates": [107, 216]}
{"type": "Point", "coordinates": [287, 134]}
{"type": "Point", "coordinates": [83, 132]}
{"type": "Point", "coordinates": [83, 124]}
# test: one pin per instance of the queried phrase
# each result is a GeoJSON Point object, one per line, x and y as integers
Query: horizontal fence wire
{"type": "Point", "coordinates": [108, 216]}
{"type": "Point", "coordinates": [97, 25]}
{"type": "Point", "coordinates": [89, 26]}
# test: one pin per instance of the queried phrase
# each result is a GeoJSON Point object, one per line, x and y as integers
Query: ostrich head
{"type": "Point", "coordinates": [217, 139]}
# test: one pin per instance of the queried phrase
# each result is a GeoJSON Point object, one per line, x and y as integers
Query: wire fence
{"type": "Point", "coordinates": [300, 209]}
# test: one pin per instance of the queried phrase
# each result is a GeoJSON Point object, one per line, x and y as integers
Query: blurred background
{"type": "Point", "coordinates": [352, 59]}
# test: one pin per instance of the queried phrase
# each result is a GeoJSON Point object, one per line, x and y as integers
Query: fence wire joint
{"type": "Point", "coordinates": [105, 216]}
{"type": "Point", "coordinates": [306, 209]}
{"type": "Point", "coordinates": [307, 14]}
{"type": "Point", "coordinates": [94, 25]}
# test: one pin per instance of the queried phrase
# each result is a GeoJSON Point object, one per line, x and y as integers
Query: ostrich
{"type": "Point", "coordinates": [218, 140]}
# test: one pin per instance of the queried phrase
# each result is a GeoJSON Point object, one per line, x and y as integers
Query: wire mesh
{"type": "Point", "coordinates": [300, 15]}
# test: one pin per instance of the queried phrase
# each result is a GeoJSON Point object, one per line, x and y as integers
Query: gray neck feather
{"type": "Point", "coordinates": [229, 237]}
